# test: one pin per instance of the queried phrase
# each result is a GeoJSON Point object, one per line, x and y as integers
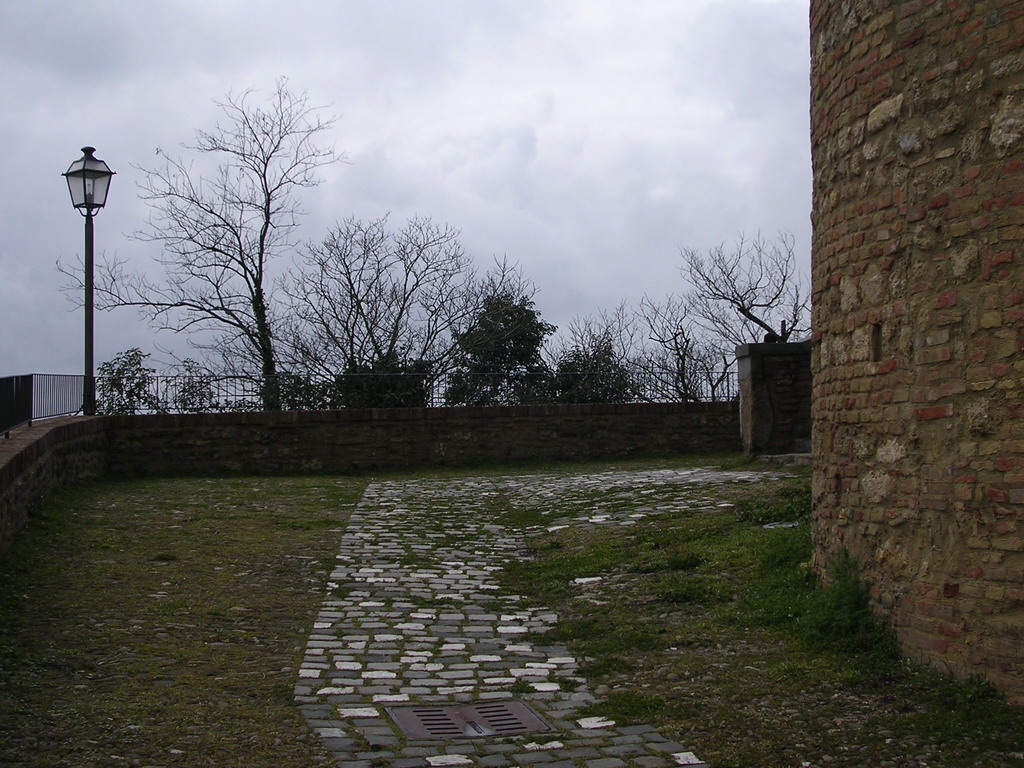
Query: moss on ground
{"type": "Point", "coordinates": [161, 622]}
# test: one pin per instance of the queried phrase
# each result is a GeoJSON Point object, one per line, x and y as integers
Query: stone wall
{"type": "Point", "coordinates": [47, 455]}
{"type": "Point", "coordinates": [35, 460]}
{"type": "Point", "coordinates": [918, 276]}
{"type": "Point", "coordinates": [775, 397]}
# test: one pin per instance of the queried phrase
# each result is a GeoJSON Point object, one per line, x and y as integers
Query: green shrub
{"type": "Point", "coordinates": [831, 616]}
{"type": "Point", "coordinates": [125, 385]}
{"type": "Point", "coordinates": [839, 617]}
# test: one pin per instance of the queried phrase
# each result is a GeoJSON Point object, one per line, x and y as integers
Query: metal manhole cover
{"type": "Point", "coordinates": [498, 718]}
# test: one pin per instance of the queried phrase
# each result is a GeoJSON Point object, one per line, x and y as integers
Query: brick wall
{"type": "Point", "coordinates": [918, 276]}
{"type": "Point", "coordinates": [45, 456]}
{"type": "Point", "coordinates": [340, 441]}
{"type": "Point", "coordinates": [775, 397]}
{"type": "Point", "coordinates": [50, 454]}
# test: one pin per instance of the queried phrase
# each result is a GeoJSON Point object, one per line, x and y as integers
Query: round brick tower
{"type": "Point", "coordinates": [917, 121]}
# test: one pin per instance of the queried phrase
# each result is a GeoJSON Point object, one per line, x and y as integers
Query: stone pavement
{"type": "Point", "coordinates": [414, 616]}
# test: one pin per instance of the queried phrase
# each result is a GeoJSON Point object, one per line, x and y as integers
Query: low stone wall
{"type": "Point", "coordinates": [344, 441]}
{"type": "Point", "coordinates": [37, 459]}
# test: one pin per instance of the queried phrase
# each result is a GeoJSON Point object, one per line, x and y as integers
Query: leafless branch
{"type": "Point", "coordinates": [219, 231]}
{"type": "Point", "coordinates": [367, 295]}
{"type": "Point", "coordinates": [748, 291]}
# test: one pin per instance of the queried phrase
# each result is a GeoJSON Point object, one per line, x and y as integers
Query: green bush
{"type": "Point", "coordinates": [834, 615]}
{"type": "Point", "coordinates": [839, 617]}
{"type": "Point", "coordinates": [125, 385]}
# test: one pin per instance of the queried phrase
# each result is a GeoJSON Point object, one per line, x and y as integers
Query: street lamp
{"type": "Point", "coordinates": [88, 182]}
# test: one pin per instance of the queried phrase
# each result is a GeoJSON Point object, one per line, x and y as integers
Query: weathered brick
{"type": "Point", "coordinates": [934, 412]}
{"type": "Point", "coordinates": [959, 337]}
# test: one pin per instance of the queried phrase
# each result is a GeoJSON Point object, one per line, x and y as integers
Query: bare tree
{"type": "Point", "coordinates": [615, 330]}
{"type": "Point", "coordinates": [220, 233]}
{"type": "Point", "coordinates": [684, 362]}
{"type": "Point", "coordinates": [742, 293]}
{"type": "Point", "coordinates": [748, 291]}
{"type": "Point", "coordinates": [367, 297]}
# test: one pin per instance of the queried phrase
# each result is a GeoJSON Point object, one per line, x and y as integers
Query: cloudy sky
{"type": "Point", "coordinates": [587, 140]}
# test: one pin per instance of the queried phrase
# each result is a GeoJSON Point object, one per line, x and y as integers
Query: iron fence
{"type": "Point", "coordinates": [37, 396]}
{"type": "Point", "coordinates": [15, 402]}
{"type": "Point", "coordinates": [56, 394]}
{"type": "Point", "coordinates": [40, 396]}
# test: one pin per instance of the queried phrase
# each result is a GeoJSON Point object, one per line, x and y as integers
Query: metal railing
{"type": "Point", "coordinates": [15, 402]}
{"type": "Point", "coordinates": [40, 396]}
{"type": "Point", "coordinates": [37, 396]}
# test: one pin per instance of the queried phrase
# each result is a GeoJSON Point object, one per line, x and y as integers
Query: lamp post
{"type": "Point", "coordinates": [88, 182]}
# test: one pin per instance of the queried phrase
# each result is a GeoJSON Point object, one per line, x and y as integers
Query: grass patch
{"type": "Point", "coordinates": [715, 628]}
{"type": "Point", "coordinates": [628, 706]}
{"type": "Point", "coordinates": [699, 590]}
{"type": "Point", "coordinates": [160, 622]}
{"type": "Point", "coordinates": [787, 501]}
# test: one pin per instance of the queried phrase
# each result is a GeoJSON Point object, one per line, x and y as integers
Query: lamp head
{"type": "Point", "coordinates": [88, 182]}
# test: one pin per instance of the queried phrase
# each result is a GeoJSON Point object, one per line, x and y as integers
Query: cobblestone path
{"type": "Point", "coordinates": [414, 616]}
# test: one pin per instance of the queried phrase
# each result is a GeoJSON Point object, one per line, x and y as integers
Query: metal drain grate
{"type": "Point", "coordinates": [497, 718]}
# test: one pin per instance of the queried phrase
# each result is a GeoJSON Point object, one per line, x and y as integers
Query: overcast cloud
{"type": "Point", "coordinates": [587, 140]}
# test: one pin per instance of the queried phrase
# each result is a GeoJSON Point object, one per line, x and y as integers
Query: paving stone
{"type": "Point", "coordinates": [416, 751]}
{"type": "Point", "coordinates": [332, 744]}
{"type": "Point", "coordinates": [382, 741]}
{"type": "Point", "coordinates": [449, 760]}
{"type": "Point", "coordinates": [495, 761]}
{"type": "Point", "coordinates": [690, 760]}
{"type": "Point", "coordinates": [441, 630]}
{"type": "Point", "coordinates": [632, 730]}
{"type": "Point", "coordinates": [651, 762]}
{"type": "Point", "coordinates": [624, 750]}
{"type": "Point", "coordinates": [666, 746]}
{"type": "Point", "coordinates": [628, 739]}
{"type": "Point", "coordinates": [496, 747]}
{"type": "Point", "coordinates": [465, 747]}
{"type": "Point", "coordinates": [581, 753]}
{"type": "Point", "coordinates": [533, 758]}
{"type": "Point", "coordinates": [375, 756]}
